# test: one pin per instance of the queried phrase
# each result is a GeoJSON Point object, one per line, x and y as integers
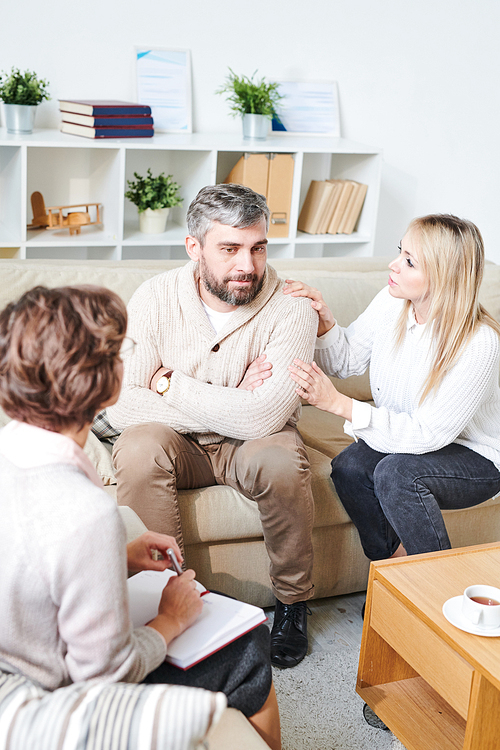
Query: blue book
{"type": "Point", "coordinates": [116, 121]}
{"type": "Point", "coordinates": [103, 107]}
{"type": "Point", "coordinates": [86, 132]}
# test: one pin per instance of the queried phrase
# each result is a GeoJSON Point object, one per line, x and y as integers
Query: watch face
{"type": "Point", "coordinates": [163, 384]}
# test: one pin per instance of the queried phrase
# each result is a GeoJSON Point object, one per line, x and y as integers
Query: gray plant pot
{"type": "Point", "coordinates": [255, 127]}
{"type": "Point", "coordinates": [19, 118]}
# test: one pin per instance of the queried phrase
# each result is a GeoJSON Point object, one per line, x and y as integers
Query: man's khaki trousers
{"type": "Point", "coordinates": [153, 461]}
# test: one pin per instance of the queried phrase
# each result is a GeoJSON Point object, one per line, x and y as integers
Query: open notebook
{"type": "Point", "coordinates": [221, 621]}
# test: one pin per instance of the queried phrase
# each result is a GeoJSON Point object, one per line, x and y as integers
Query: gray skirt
{"type": "Point", "coordinates": [241, 670]}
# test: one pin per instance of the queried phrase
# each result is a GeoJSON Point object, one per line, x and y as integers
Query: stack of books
{"type": "Point", "coordinates": [332, 207]}
{"type": "Point", "coordinates": [106, 119]}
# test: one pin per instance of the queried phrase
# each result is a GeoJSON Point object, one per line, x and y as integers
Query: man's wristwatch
{"type": "Point", "coordinates": [163, 383]}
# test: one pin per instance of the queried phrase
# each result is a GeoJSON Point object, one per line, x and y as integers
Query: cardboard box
{"type": "Point", "coordinates": [251, 170]}
{"type": "Point", "coordinates": [270, 175]}
{"type": "Point", "coordinates": [279, 193]}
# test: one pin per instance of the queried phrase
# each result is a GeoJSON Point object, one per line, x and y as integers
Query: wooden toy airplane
{"type": "Point", "coordinates": [60, 217]}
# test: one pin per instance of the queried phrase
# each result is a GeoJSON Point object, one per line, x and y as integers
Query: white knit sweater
{"type": "Point", "coordinates": [63, 592]}
{"type": "Point", "coordinates": [167, 320]}
{"type": "Point", "coordinates": [465, 409]}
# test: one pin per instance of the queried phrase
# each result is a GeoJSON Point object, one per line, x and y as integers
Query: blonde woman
{"type": "Point", "coordinates": [432, 440]}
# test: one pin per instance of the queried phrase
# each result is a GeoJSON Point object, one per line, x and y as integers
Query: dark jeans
{"type": "Point", "coordinates": [398, 497]}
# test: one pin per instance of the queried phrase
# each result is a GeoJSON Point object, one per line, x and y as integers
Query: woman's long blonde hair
{"type": "Point", "coordinates": [451, 253]}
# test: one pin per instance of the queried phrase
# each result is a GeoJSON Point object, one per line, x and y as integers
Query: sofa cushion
{"type": "Point", "coordinates": [101, 458]}
{"type": "Point", "coordinates": [123, 277]}
{"type": "Point", "coordinates": [489, 294]}
{"type": "Point", "coordinates": [220, 513]}
{"type": "Point", "coordinates": [323, 431]}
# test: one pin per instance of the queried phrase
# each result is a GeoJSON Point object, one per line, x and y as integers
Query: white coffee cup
{"type": "Point", "coordinates": [481, 605]}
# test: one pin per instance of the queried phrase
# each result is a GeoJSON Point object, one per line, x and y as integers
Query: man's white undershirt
{"type": "Point", "coordinates": [217, 319]}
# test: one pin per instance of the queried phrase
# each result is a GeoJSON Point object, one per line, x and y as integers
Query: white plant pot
{"type": "Point", "coordinates": [153, 221]}
{"type": "Point", "coordinates": [255, 127]}
{"type": "Point", "coordinates": [19, 118]}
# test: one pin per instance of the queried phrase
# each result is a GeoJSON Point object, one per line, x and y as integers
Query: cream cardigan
{"type": "Point", "coordinates": [171, 328]}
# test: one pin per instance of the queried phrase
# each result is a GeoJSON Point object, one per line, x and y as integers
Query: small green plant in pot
{"type": "Point", "coordinates": [254, 100]}
{"type": "Point", "coordinates": [21, 93]}
{"type": "Point", "coordinates": [154, 197]}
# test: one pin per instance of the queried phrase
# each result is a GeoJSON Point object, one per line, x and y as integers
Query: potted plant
{"type": "Point", "coordinates": [21, 93]}
{"type": "Point", "coordinates": [154, 197]}
{"type": "Point", "coordinates": [255, 101]}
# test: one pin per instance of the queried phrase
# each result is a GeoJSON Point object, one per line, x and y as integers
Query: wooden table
{"type": "Point", "coordinates": [435, 686]}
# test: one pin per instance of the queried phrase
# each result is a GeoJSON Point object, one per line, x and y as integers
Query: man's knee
{"type": "Point", "coordinates": [143, 446]}
{"type": "Point", "coordinates": [278, 456]}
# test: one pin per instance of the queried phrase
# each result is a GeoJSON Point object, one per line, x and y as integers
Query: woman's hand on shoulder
{"type": "Point", "coordinates": [180, 605]}
{"type": "Point", "coordinates": [299, 289]}
{"type": "Point", "coordinates": [142, 553]}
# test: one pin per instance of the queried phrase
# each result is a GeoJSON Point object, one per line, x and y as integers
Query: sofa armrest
{"type": "Point", "coordinates": [133, 524]}
{"type": "Point", "coordinates": [233, 730]}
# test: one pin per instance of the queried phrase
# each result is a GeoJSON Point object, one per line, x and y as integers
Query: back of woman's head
{"type": "Point", "coordinates": [59, 354]}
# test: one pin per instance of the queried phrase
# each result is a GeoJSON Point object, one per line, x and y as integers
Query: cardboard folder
{"type": "Point", "coordinates": [270, 175]}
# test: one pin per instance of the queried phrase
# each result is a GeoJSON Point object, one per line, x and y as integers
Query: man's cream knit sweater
{"type": "Point", "coordinates": [171, 328]}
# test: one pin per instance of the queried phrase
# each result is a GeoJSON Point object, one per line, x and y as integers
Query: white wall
{"type": "Point", "coordinates": [418, 79]}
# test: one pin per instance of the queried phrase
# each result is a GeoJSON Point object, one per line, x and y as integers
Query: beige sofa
{"type": "Point", "coordinates": [221, 529]}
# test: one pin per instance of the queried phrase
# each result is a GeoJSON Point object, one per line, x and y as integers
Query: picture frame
{"type": "Point", "coordinates": [308, 108]}
{"type": "Point", "coordinates": [163, 81]}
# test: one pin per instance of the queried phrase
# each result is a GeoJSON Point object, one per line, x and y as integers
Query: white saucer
{"type": "Point", "coordinates": [452, 610]}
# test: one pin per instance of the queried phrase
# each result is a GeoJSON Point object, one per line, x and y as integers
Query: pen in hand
{"type": "Point", "coordinates": [177, 567]}
{"type": "Point", "coordinates": [174, 561]}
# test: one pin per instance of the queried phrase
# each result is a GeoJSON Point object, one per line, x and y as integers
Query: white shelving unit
{"type": "Point", "coordinates": [68, 170]}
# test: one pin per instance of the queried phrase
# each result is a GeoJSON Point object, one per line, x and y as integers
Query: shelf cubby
{"type": "Point", "coordinates": [69, 170]}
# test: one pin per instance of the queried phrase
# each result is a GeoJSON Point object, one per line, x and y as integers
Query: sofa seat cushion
{"type": "Point", "coordinates": [101, 458]}
{"type": "Point", "coordinates": [323, 431]}
{"type": "Point", "coordinates": [220, 513]}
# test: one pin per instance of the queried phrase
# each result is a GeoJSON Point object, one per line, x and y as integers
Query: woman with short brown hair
{"type": "Point", "coordinates": [54, 371]}
{"type": "Point", "coordinates": [65, 625]}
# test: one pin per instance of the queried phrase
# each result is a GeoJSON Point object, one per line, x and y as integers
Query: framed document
{"type": "Point", "coordinates": [308, 108]}
{"type": "Point", "coordinates": [164, 82]}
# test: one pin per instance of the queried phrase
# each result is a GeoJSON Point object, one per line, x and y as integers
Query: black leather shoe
{"type": "Point", "coordinates": [289, 634]}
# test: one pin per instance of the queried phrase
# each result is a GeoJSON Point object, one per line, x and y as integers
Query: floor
{"type": "Point", "coordinates": [335, 625]}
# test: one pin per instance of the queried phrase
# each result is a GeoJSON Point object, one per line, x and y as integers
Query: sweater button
{"type": "Point", "coordinates": [216, 348]}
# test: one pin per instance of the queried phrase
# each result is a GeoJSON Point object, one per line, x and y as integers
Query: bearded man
{"type": "Point", "coordinates": [207, 397]}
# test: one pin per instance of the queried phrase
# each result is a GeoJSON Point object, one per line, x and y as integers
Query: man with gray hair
{"type": "Point", "coordinates": [207, 397]}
